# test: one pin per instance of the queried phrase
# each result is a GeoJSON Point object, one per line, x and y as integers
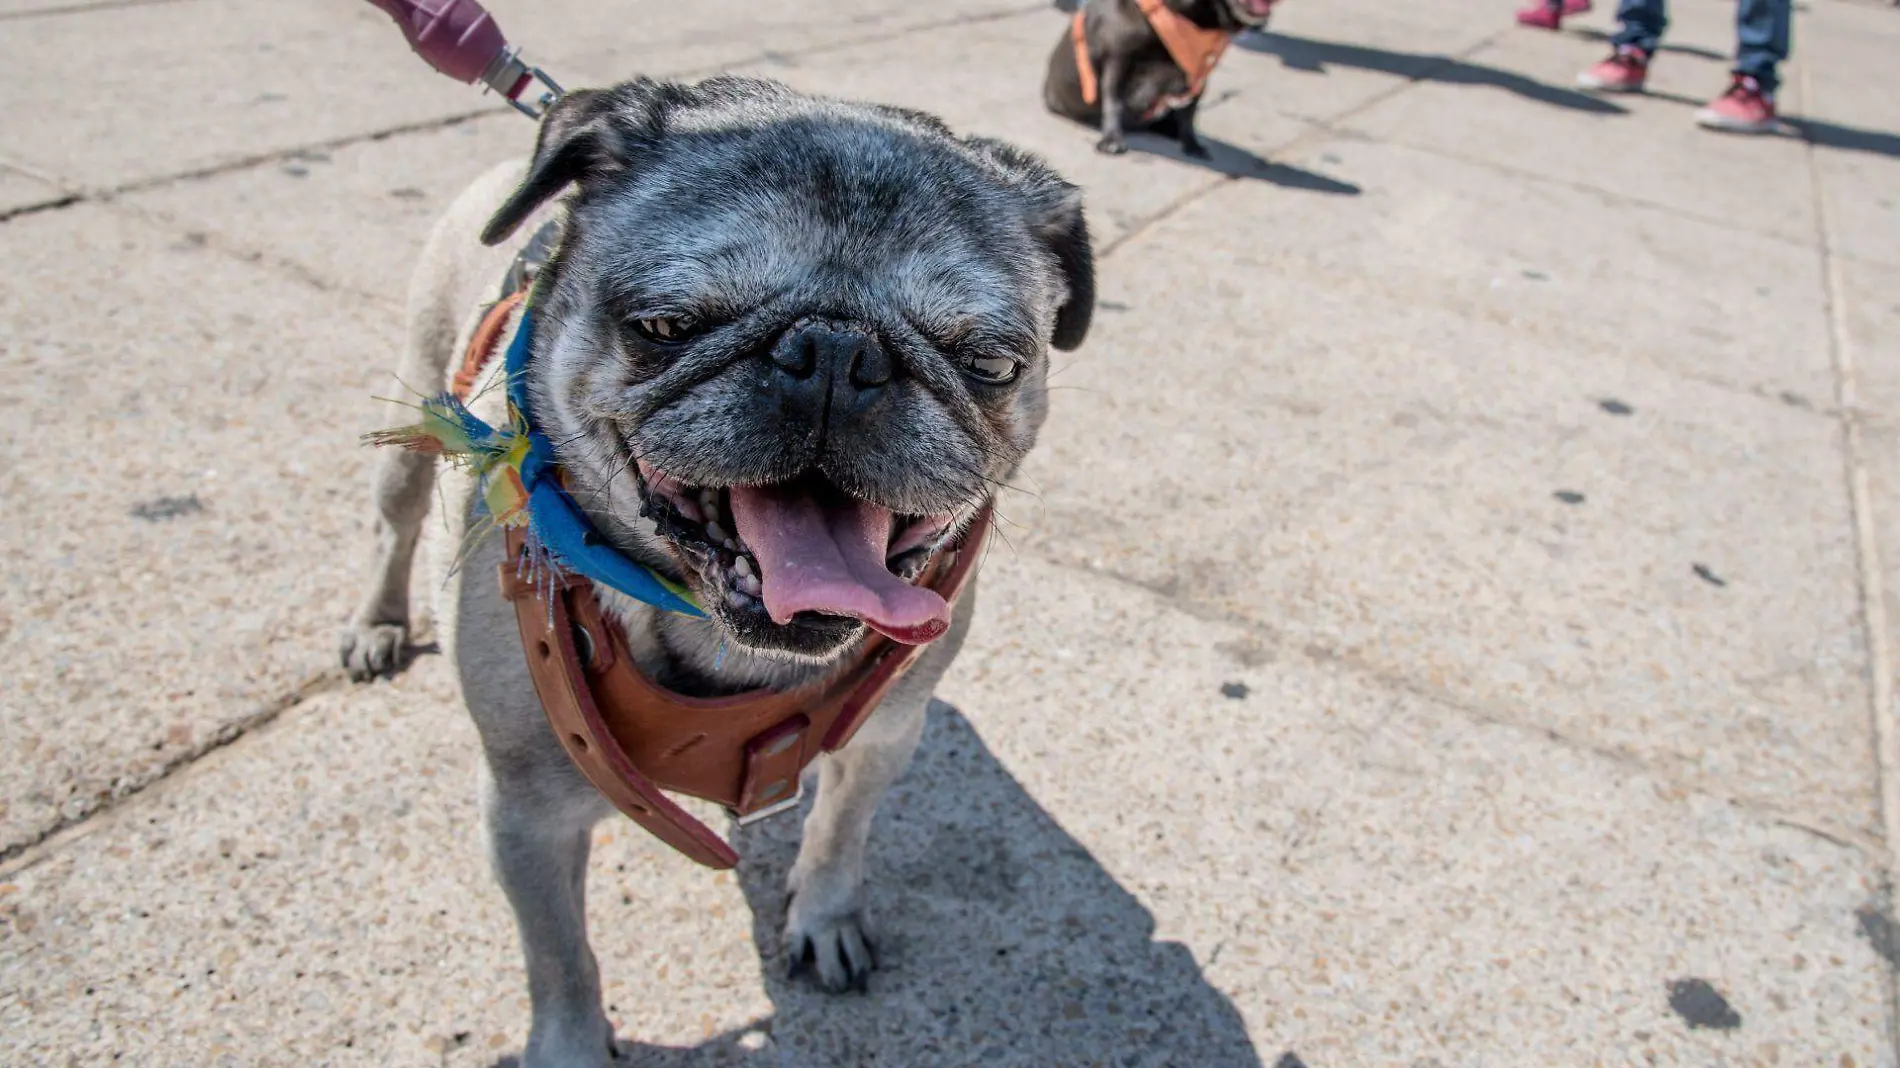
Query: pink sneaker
{"type": "Point", "coordinates": [1623, 72]}
{"type": "Point", "coordinates": [1743, 109]}
{"type": "Point", "coordinates": [1541, 16]}
{"type": "Point", "coordinates": [1546, 16]}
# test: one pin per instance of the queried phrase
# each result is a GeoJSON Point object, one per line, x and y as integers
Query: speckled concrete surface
{"type": "Point", "coordinates": [1319, 866]}
{"type": "Point", "coordinates": [1419, 434]}
{"type": "Point", "coordinates": [1347, 692]}
{"type": "Point", "coordinates": [1860, 168]}
{"type": "Point", "coordinates": [183, 427]}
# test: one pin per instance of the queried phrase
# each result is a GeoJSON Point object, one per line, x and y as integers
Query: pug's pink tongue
{"type": "Point", "coordinates": [828, 556]}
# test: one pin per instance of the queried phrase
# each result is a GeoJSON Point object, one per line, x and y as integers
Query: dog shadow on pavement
{"type": "Point", "coordinates": [1236, 162]}
{"type": "Point", "coordinates": [1312, 55]}
{"type": "Point", "coordinates": [1000, 942]}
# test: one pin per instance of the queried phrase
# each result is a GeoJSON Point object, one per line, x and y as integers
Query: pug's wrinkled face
{"type": "Point", "coordinates": [790, 346]}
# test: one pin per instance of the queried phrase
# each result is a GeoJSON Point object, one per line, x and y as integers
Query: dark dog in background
{"type": "Point", "coordinates": [1135, 54]}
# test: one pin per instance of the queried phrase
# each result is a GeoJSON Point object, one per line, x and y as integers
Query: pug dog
{"type": "Point", "coordinates": [1134, 73]}
{"type": "Point", "coordinates": [826, 323]}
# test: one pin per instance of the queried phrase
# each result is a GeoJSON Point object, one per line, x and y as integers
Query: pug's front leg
{"type": "Point", "coordinates": [540, 821]}
{"type": "Point", "coordinates": [824, 918]}
{"type": "Point", "coordinates": [1114, 73]}
{"type": "Point", "coordinates": [1184, 130]}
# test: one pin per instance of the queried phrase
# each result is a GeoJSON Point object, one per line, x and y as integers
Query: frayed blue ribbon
{"type": "Point", "coordinates": [556, 518]}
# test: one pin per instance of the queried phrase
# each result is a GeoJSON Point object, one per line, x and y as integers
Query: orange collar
{"type": "Point", "coordinates": [1194, 49]}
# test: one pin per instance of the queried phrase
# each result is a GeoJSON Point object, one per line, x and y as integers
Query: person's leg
{"type": "Point", "coordinates": [1628, 66]}
{"type": "Point", "coordinates": [1643, 24]}
{"type": "Point", "coordinates": [1762, 29]}
{"type": "Point", "coordinates": [1761, 36]}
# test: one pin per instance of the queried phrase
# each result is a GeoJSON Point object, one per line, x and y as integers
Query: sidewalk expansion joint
{"type": "Point", "coordinates": [54, 204]}
{"type": "Point", "coordinates": [1885, 734]}
{"type": "Point", "coordinates": [76, 196]}
{"type": "Point", "coordinates": [15, 856]}
{"type": "Point", "coordinates": [107, 194]}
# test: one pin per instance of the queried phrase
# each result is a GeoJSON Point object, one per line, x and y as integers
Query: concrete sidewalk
{"type": "Point", "coordinates": [1448, 622]}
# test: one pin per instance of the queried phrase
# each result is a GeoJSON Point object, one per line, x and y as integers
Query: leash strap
{"type": "Point", "coordinates": [1195, 49]}
{"type": "Point", "coordinates": [461, 39]}
{"type": "Point", "coordinates": [1084, 66]}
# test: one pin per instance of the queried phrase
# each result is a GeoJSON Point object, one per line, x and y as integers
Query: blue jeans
{"type": "Point", "coordinates": [1761, 33]}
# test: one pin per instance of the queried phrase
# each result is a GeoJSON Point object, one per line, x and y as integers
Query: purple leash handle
{"type": "Point", "coordinates": [460, 39]}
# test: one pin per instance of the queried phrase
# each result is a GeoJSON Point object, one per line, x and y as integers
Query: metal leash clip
{"type": "Point", "coordinates": [510, 77]}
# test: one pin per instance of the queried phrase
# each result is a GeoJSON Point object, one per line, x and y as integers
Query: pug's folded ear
{"type": "Point", "coordinates": [1066, 232]}
{"type": "Point", "coordinates": [1055, 215]}
{"type": "Point", "coordinates": [585, 136]}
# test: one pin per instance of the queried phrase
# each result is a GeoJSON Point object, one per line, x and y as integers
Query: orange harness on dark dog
{"type": "Point", "coordinates": [633, 738]}
{"type": "Point", "coordinates": [1194, 49]}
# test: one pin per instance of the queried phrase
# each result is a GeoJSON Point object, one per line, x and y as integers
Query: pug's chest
{"type": "Point", "coordinates": [1156, 86]}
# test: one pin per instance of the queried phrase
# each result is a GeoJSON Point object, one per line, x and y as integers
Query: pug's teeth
{"type": "Point", "coordinates": [730, 544]}
{"type": "Point", "coordinates": [742, 566]}
{"type": "Point", "coordinates": [750, 584]}
{"type": "Point", "coordinates": [715, 531]}
{"type": "Point", "coordinates": [737, 599]}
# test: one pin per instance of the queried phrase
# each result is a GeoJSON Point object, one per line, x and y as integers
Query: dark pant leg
{"type": "Point", "coordinates": [1762, 30]}
{"type": "Point", "coordinates": [1643, 24]}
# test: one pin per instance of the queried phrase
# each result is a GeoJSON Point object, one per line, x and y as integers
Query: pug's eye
{"type": "Point", "coordinates": [665, 331]}
{"type": "Point", "coordinates": [994, 370]}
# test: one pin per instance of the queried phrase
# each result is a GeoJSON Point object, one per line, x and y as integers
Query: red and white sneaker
{"type": "Point", "coordinates": [1540, 17]}
{"type": "Point", "coordinates": [1545, 16]}
{"type": "Point", "coordinates": [1745, 108]}
{"type": "Point", "coordinates": [1624, 72]}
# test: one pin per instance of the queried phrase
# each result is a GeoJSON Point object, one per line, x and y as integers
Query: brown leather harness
{"type": "Point", "coordinates": [633, 738]}
{"type": "Point", "coordinates": [1194, 49]}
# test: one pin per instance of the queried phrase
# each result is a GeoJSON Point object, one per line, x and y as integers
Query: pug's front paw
{"type": "Point", "coordinates": [831, 948]}
{"type": "Point", "coordinates": [371, 649]}
{"type": "Point", "coordinates": [1111, 145]}
{"type": "Point", "coordinates": [1195, 148]}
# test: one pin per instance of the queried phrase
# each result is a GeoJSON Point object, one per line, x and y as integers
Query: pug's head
{"type": "Point", "coordinates": [789, 346]}
{"type": "Point", "coordinates": [1235, 15]}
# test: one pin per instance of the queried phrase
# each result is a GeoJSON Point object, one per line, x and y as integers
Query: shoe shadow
{"type": "Point", "coordinates": [1846, 138]}
{"type": "Point", "coordinates": [1307, 54]}
{"type": "Point", "coordinates": [1591, 33]}
{"type": "Point", "coordinates": [1819, 132]}
{"type": "Point", "coordinates": [1000, 940]}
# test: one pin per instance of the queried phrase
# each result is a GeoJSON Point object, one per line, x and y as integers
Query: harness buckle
{"type": "Point", "coordinates": [511, 77]}
{"type": "Point", "coordinates": [798, 794]}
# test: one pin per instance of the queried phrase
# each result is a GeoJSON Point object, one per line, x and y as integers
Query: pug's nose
{"type": "Point", "coordinates": [842, 352]}
{"type": "Point", "coordinates": [826, 377]}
